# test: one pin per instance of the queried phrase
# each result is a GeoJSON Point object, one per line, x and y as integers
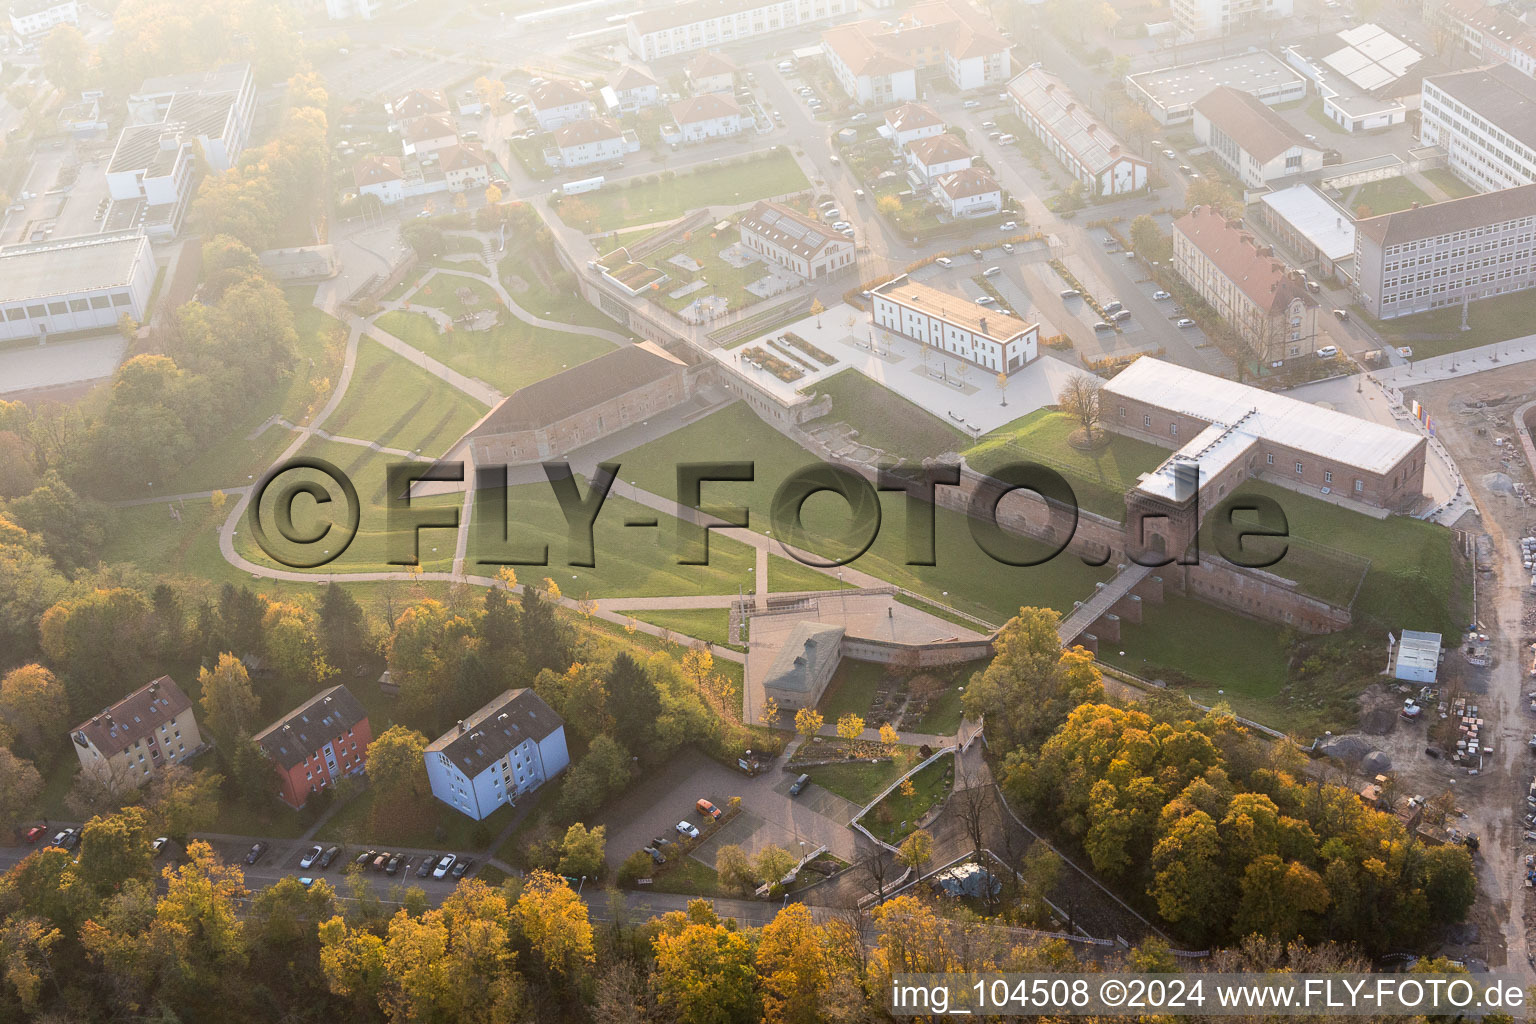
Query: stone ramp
{"type": "Point", "coordinates": [1104, 598]}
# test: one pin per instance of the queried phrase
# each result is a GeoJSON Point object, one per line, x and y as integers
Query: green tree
{"type": "Point", "coordinates": [98, 639]}
{"type": "Point", "coordinates": [66, 58]}
{"type": "Point", "coordinates": [396, 765]}
{"type": "Point", "coordinates": [581, 851]}
{"type": "Point", "coordinates": [735, 870]}
{"type": "Point", "coordinates": [114, 850]}
{"type": "Point", "coordinates": [20, 786]}
{"type": "Point", "coordinates": [1030, 686]}
{"type": "Point", "coordinates": [230, 706]}
{"type": "Point", "coordinates": [915, 850]}
{"type": "Point", "coordinates": [181, 801]}
{"type": "Point", "coordinates": [631, 688]}
{"type": "Point", "coordinates": [772, 863]}
{"type": "Point", "coordinates": [344, 636]}
{"type": "Point", "coordinates": [601, 772]}
{"type": "Point", "coordinates": [1149, 241]}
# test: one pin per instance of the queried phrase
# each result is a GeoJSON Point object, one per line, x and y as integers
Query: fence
{"type": "Point", "coordinates": [857, 823]}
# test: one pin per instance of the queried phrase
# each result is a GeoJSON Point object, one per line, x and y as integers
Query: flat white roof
{"type": "Point", "coordinates": [70, 266]}
{"type": "Point", "coordinates": [1316, 218]}
{"type": "Point", "coordinates": [1213, 450]}
{"type": "Point", "coordinates": [1326, 433]}
{"type": "Point", "coordinates": [1259, 73]}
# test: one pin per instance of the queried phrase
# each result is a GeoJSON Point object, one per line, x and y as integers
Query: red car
{"type": "Point", "coordinates": [35, 833]}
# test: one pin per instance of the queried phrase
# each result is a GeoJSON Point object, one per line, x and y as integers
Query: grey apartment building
{"type": "Point", "coordinates": [1421, 259]}
{"type": "Point", "coordinates": [1485, 120]}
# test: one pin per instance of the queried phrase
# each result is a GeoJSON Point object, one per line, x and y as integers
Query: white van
{"type": "Point", "coordinates": [786, 66]}
{"type": "Point", "coordinates": [991, 271]}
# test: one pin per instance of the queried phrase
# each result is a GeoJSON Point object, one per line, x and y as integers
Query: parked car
{"type": "Point", "coordinates": [443, 866]}
{"type": "Point", "coordinates": [840, 225]}
{"type": "Point", "coordinates": [989, 124]}
{"type": "Point", "coordinates": [705, 807]}
{"type": "Point", "coordinates": [68, 839]}
{"type": "Point", "coordinates": [1186, 169]}
{"type": "Point", "coordinates": [1113, 306]}
{"type": "Point", "coordinates": [986, 300]}
{"type": "Point", "coordinates": [687, 828]}
{"type": "Point", "coordinates": [657, 857]}
{"type": "Point", "coordinates": [329, 856]}
{"type": "Point", "coordinates": [1160, 295]}
{"type": "Point", "coordinates": [1170, 154]}
{"type": "Point", "coordinates": [258, 851]}
{"type": "Point", "coordinates": [381, 861]}
{"type": "Point", "coordinates": [991, 271]}
{"type": "Point", "coordinates": [393, 866]}
{"type": "Point", "coordinates": [158, 846]}
{"type": "Point", "coordinates": [860, 116]}
{"type": "Point", "coordinates": [799, 785]}
{"type": "Point", "coordinates": [1327, 351]}
{"type": "Point", "coordinates": [1341, 314]}
{"type": "Point", "coordinates": [1184, 321]}
{"type": "Point", "coordinates": [1006, 139]}
{"type": "Point", "coordinates": [976, 254]}
{"type": "Point", "coordinates": [364, 859]}
{"type": "Point", "coordinates": [37, 832]}
{"type": "Point", "coordinates": [971, 104]}
{"type": "Point", "coordinates": [1009, 225]}
{"type": "Point", "coordinates": [1102, 326]}
{"type": "Point", "coordinates": [1121, 316]}
{"type": "Point", "coordinates": [1070, 293]}
{"type": "Point", "coordinates": [1008, 247]}
{"type": "Point", "coordinates": [310, 857]}
{"type": "Point", "coordinates": [461, 868]}
{"type": "Point", "coordinates": [426, 867]}
{"type": "Point", "coordinates": [944, 261]}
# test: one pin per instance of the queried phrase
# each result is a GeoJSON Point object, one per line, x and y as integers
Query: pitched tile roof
{"type": "Point", "coordinates": [495, 730]}
{"type": "Point", "coordinates": [465, 154]}
{"type": "Point", "coordinates": [938, 149]}
{"type": "Point", "coordinates": [373, 169]}
{"type": "Point", "coordinates": [1073, 125]}
{"type": "Point", "coordinates": [1258, 130]}
{"type": "Point", "coordinates": [558, 93]}
{"type": "Point", "coordinates": [115, 728]}
{"type": "Point", "coordinates": [862, 53]}
{"type": "Point", "coordinates": [419, 103]}
{"type": "Point", "coordinates": [707, 107]}
{"type": "Point", "coordinates": [710, 63]}
{"type": "Point", "coordinates": [967, 182]}
{"type": "Point", "coordinates": [1262, 277]}
{"type": "Point", "coordinates": [631, 77]}
{"type": "Point", "coordinates": [587, 130]}
{"type": "Point", "coordinates": [290, 740]}
{"type": "Point", "coordinates": [910, 117]}
{"type": "Point", "coordinates": [423, 128]}
{"type": "Point", "coordinates": [790, 229]}
{"type": "Point", "coordinates": [578, 389]}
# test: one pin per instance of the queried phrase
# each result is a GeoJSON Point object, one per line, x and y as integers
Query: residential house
{"type": "Point", "coordinates": [711, 72]}
{"type": "Point", "coordinates": [38, 17]}
{"type": "Point", "coordinates": [1445, 254]}
{"type": "Point", "coordinates": [1208, 19]}
{"type": "Point", "coordinates": [424, 135]}
{"type": "Point", "coordinates": [968, 192]}
{"type": "Point", "coordinates": [709, 116]}
{"type": "Point", "coordinates": [936, 155]}
{"type": "Point", "coordinates": [125, 744]}
{"type": "Point", "coordinates": [630, 91]}
{"type": "Point", "coordinates": [868, 72]}
{"type": "Point", "coordinates": [1089, 151]}
{"type": "Point", "coordinates": [809, 248]}
{"type": "Point", "coordinates": [509, 747]}
{"type": "Point", "coordinates": [878, 61]}
{"type": "Point", "coordinates": [1256, 144]}
{"type": "Point", "coordinates": [596, 140]}
{"type": "Point", "coordinates": [559, 102]}
{"type": "Point", "coordinates": [419, 103]}
{"type": "Point", "coordinates": [1247, 285]}
{"type": "Point", "coordinates": [465, 167]}
{"type": "Point", "coordinates": [317, 744]}
{"type": "Point", "coordinates": [380, 177]}
{"type": "Point", "coordinates": [909, 122]}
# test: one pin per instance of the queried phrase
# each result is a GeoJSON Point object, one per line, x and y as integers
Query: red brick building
{"type": "Point", "coordinates": [316, 744]}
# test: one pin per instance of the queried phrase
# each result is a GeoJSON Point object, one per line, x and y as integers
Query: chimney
{"type": "Point", "coordinates": [1338, 223]}
{"type": "Point", "coordinates": [1186, 479]}
{"type": "Point", "coordinates": [1413, 206]}
{"type": "Point", "coordinates": [983, 325]}
{"type": "Point", "coordinates": [461, 725]}
{"type": "Point", "coordinates": [800, 660]}
{"type": "Point", "coordinates": [154, 687]}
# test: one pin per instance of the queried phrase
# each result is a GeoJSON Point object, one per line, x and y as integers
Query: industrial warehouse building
{"type": "Point", "coordinates": [74, 284]}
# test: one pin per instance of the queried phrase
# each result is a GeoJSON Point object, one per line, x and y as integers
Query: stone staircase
{"type": "Point", "coordinates": [1104, 598]}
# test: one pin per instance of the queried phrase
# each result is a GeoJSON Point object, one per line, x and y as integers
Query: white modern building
{"type": "Point", "coordinates": [1488, 32]}
{"type": "Point", "coordinates": [1416, 657]}
{"type": "Point", "coordinates": [1462, 250]}
{"type": "Point", "coordinates": [1314, 227]}
{"type": "Point", "coordinates": [1207, 19]}
{"type": "Point", "coordinates": [936, 155]}
{"type": "Point", "coordinates": [176, 123]}
{"type": "Point", "coordinates": [796, 242]}
{"type": "Point", "coordinates": [1169, 94]}
{"type": "Point", "coordinates": [968, 193]}
{"type": "Point", "coordinates": [509, 747]}
{"type": "Point", "coordinates": [712, 115]}
{"type": "Point", "coordinates": [38, 17]}
{"type": "Point", "coordinates": [1485, 120]}
{"type": "Point", "coordinates": [1367, 77]}
{"type": "Point", "coordinates": [869, 73]}
{"type": "Point", "coordinates": [1087, 149]}
{"type": "Point", "coordinates": [596, 140]}
{"type": "Point", "coordinates": [74, 284]}
{"type": "Point", "coordinates": [1254, 143]}
{"type": "Point", "coordinates": [909, 122]}
{"type": "Point", "coordinates": [559, 102]}
{"type": "Point", "coordinates": [701, 24]}
{"type": "Point", "coordinates": [986, 337]}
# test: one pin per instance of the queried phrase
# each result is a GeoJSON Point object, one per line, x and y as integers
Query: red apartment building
{"type": "Point", "coordinates": [316, 744]}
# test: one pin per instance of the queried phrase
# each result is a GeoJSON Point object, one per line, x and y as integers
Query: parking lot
{"type": "Point", "coordinates": [769, 815]}
{"type": "Point", "coordinates": [283, 857]}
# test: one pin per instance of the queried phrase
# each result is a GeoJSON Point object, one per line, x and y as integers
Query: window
{"type": "Point", "coordinates": [1327, 476]}
{"type": "Point", "coordinates": [1173, 430]}
{"type": "Point", "coordinates": [1269, 459]}
{"type": "Point", "coordinates": [1146, 420]}
{"type": "Point", "coordinates": [1298, 469]}
{"type": "Point", "coordinates": [1359, 485]}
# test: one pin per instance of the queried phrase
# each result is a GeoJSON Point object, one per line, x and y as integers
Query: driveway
{"type": "Point", "coordinates": [769, 814]}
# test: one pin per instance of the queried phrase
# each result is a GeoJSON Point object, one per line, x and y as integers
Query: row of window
{"type": "Point", "coordinates": [59, 307]}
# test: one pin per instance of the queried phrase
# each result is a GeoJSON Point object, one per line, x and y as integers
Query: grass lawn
{"type": "Point", "coordinates": [430, 824]}
{"type": "Point", "coordinates": [887, 421]}
{"type": "Point", "coordinates": [852, 687]}
{"type": "Point", "coordinates": [1439, 331]}
{"type": "Point", "coordinates": [724, 184]}
{"type": "Point", "coordinates": [396, 404]}
{"type": "Point", "coordinates": [965, 576]}
{"type": "Point", "coordinates": [724, 280]}
{"type": "Point", "coordinates": [945, 713]}
{"type": "Point", "coordinates": [369, 551]}
{"type": "Point", "coordinates": [682, 874]}
{"type": "Point", "coordinates": [235, 459]}
{"type": "Point", "coordinates": [631, 561]}
{"type": "Point", "coordinates": [1100, 477]}
{"type": "Point", "coordinates": [1449, 183]}
{"type": "Point", "coordinates": [786, 576]}
{"type": "Point", "coordinates": [1176, 641]}
{"type": "Point", "coordinates": [559, 300]}
{"type": "Point", "coordinates": [858, 782]}
{"type": "Point", "coordinates": [1389, 196]}
{"type": "Point", "coordinates": [709, 624]}
{"type": "Point", "coordinates": [1413, 567]}
{"type": "Point", "coordinates": [895, 817]}
{"type": "Point", "coordinates": [274, 819]}
{"type": "Point", "coordinates": [508, 356]}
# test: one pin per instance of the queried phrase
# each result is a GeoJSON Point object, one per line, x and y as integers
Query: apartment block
{"type": "Point", "coordinates": [123, 745]}
{"type": "Point", "coordinates": [1485, 120]}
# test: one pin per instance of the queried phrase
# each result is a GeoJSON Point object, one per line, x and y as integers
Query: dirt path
{"type": "Point", "coordinates": [1470, 413]}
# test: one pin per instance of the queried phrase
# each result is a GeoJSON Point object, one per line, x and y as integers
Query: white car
{"type": "Point", "coordinates": [860, 116]}
{"type": "Point", "coordinates": [1007, 247]}
{"type": "Point", "coordinates": [443, 866]}
{"type": "Point", "coordinates": [841, 225]}
{"type": "Point", "coordinates": [310, 857]}
{"type": "Point", "coordinates": [1184, 321]}
{"type": "Point", "coordinates": [1009, 225]}
{"type": "Point", "coordinates": [1170, 154]}
{"type": "Point", "coordinates": [971, 104]}
{"type": "Point", "coordinates": [944, 261]}
{"type": "Point", "coordinates": [688, 828]}
{"type": "Point", "coordinates": [1160, 295]}
{"type": "Point", "coordinates": [985, 300]}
